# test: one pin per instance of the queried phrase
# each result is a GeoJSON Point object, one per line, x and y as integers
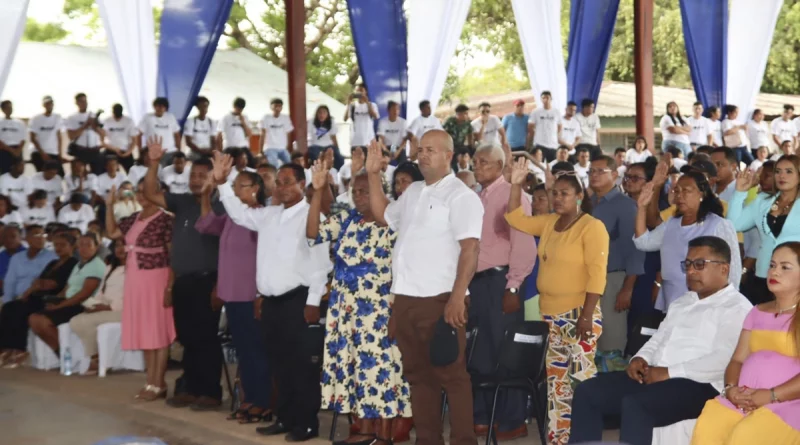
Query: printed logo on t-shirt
{"type": "Point", "coordinates": [14, 129]}
{"type": "Point", "coordinates": [161, 126]}
{"type": "Point", "coordinates": [121, 129]}
{"type": "Point", "coordinates": [47, 128]}
{"type": "Point", "coordinates": [547, 117]}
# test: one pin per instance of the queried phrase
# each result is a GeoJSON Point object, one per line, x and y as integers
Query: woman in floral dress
{"type": "Point", "coordinates": [362, 372]}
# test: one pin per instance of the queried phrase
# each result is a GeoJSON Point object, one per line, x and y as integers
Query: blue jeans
{"type": "Point", "coordinates": [315, 150]}
{"type": "Point", "coordinates": [276, 155]}
{"type": "Point", "coordinates": [743, 155]}
{"type": "Point", "coordinates": [682, 146]}
{"type": "Point", "coordinates": [248, 338]}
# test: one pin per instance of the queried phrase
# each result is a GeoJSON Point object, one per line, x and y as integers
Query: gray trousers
{"type": "Point", "coordinates": [615, 324]}
{"type": "Point", "coordinates": [486, 312]}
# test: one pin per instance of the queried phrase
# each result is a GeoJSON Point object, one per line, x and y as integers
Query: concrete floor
{"type": "Point", "coordinates": [44, 408]}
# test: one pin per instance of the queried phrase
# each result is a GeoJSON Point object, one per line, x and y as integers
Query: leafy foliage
{"type": "Point", "coordinates": [43, 32]}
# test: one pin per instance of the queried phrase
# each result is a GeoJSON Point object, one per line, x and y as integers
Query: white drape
{"type": "Point", "coordinates": [751, 25]}
{"type": "Point", "coordinates": [434, 29]}
{"type": "Point", "coordinates": [539, 27]}
{"type": "Point", "coordinates": [13, 16]}
{"type": "Point", "coordinates": [131, 40]}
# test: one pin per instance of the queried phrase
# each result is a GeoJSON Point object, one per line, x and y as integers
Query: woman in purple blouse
{"type": "Point", "coordinates": [236, 287]}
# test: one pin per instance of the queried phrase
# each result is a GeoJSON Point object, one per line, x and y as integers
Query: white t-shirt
{"type": "Point", "coordinates": [784, 130]}
{"type": "Point", "coordinates": [165, 126]}
{"type": "Point", "coordinates": [796, 122]}
{"type": "Point", "coordinates": [119, 132]}
{"type": "Point", "coordinates": [491, 132]}
{"type": "Point", "coordinates": [321, 136]}
{"type": "Point", "coordinates": [12, 218]}
{"type": "Point", "coordinates": [201, 131]}
{"type": "Point", "coordinates": [393, 132]}
{"type": "Point", "coordinates": [17, 189]}
{"type": "Point", "coordinates": [422, 125]}
{"type": "Point", "coordinates": [666, 122]}
{"type": "Point", "coordinates": [589, 127]}
{"type": "Point", "coordinates": [74, 182]}
{"type": "Point", "coordinates": [41, 216]}
{"type": "Point", "coordinates": [546, 127]}
{"type": "Point", "coordinates": [700, 130]}
{"type": "Point", "coordinates": [233, 132]}
{"type": "Point", "coordinates": [715, 128]}
{"type": "Point", "coordinates": [12, 131]}
{"type": "Point", "coordinates": [278, 129]}
{"type": "Point", "coordinates": [583, 173]}
{"type": "Point", "coordinates": [178, 183]}
{"type": "Point", "coordinates": [363, 126]}
{"type": "Point", "coordinates": [755, 165]}
{"type": "Point", "coordinates": [47, 130]}
{"type": "Point", "coordinates": [77, 219]}
{"type": "Point", "coordinates": [570, 130]}
{"type": "Point", "coordinates": [727, 124]}
{"type": "Point", "coordinates": [54, 187]}
{"type": "Point", "coordinates": [105, 182]}
{"type": "Point", "coordinates": [632, 156]}
{"type": "Point", "coordinates": [89, 138]}
{"type": "Point", "coordinates": [758, 133]}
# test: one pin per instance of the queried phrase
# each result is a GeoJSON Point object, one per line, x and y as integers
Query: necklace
{"type": "Point", "coordinates": [785, 209]}
{"type": "Point", "coordinates": [574, 220]}
{"type": "Point", "coordinates": [781, 311]}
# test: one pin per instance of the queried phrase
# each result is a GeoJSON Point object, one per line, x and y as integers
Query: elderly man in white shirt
{"type": "Point", "coordinates": [681, 366]}
{"type": "Point", "coordinates": [439, 222]}
{"type": "Point", "coordinates": [291, 280]}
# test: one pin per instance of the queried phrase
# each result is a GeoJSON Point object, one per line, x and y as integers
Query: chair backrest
{"type": "Point", "coordinates": [643, 329]}
{"type": "Point", "coordinates": [523, 350]}
{"type": "Point", "coordinates": [472, 337]}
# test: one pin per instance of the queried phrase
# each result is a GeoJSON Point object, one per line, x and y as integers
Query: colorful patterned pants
{"type": "Point", "coordinates": [569, 361]}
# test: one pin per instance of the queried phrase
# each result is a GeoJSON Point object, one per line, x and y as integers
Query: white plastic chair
{"type": "Point", "coordinates": [42, 357]}
{"type": "Point", "coordinates": [109, 350]}
{"type": "Point", "coordinates": [676, 434]}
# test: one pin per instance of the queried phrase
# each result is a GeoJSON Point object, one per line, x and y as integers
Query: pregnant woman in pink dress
{"type": "Point", "coordinates": [147, 322]}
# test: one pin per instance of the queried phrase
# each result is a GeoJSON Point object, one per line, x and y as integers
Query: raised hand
{"type": "Point", "coordinates": [744, 180]}
{"type": "Point", "coordinates": [208, 186]}
{"type": "Point", "coordinates": [519, 171]}
{"type": "Point", "coordinates": [223, 163]}
{"type": "Point", "coordinates": [374, 158]}
{"type": "Point", "coordinates": [646, 195]}
{"type": "Point", "coordinates": [154, 148]}
{"type": "Point", "coordinates": [111, 199]}
{"type": "Point", "coordinates": [319, 174]}
{"type": "Point", "coordinates": [662, 171]}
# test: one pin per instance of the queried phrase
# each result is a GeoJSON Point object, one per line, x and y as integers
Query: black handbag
{"type": "Point", "coordinates": [313, 343]}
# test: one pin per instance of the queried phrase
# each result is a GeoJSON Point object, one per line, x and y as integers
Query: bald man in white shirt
{"type": "Point", "coordinates": [439, 222]}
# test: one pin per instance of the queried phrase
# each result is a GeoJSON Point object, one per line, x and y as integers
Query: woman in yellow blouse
{"type": "Point", "coordinates": [573, 255]}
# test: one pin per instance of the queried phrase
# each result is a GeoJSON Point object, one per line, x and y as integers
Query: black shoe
{"type": "Point", "coordinates": [368, 439]}
{"type": "Point", "coordinates": [272, 430]}
{"type": "Point", "coordinates": [301, 435]}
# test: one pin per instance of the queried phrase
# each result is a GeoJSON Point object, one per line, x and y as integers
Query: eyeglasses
{"type": "Point", "coordinates": [566, 173]}
{"type": "Point", "coordinates": [697, 264]}
{"type": "Point", "coordinates": [631, 178]}
{"type": "Point", "coordinates": [599, 171]}
{"type": "Point", "coordinates": [241, 186]}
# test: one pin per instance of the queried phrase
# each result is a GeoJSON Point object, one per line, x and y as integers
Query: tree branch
{"type": "Point", "coordinates": [352, 76]}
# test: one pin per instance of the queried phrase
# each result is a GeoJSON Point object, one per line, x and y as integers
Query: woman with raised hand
{"type": "Point", "coordinates": [773, 214]}
{"type": "Point", "coordinates": [362, 370]}
{"type": "Point", "coordinates": [573, 257]}
{"type": "Point", "coordinates": [698, 213]}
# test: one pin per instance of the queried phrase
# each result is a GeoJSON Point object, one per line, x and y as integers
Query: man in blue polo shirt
{"type": "Point", "coordinates": [26, 265]}
{"type": "Point", "coordinates": [516, 126]}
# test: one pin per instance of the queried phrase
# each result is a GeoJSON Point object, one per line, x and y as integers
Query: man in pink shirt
{"type": "Point", "coordinates": [506, 258]}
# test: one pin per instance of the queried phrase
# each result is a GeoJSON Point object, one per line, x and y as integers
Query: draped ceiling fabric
{"type": "Point", "coordinates": [434, 30]}
{"type": "Point", "coordinates": [541, 46]}
{"type": "Point", "coordinates": [748, 50]}
{"type": "Point", "coordinates": [13, 16]}
{"type": "Point", "coordinates": [131, 40]}
{"type": "Point", "coordinates": [705, 32]}
{"type": "Point", "coordinates": [190, 31]}
{"type": "Point", "coordinates": [379, 36]}
{"type": "Point", "coordinates": [591, 27]}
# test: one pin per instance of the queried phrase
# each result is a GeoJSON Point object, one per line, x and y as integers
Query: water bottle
{"type": "Point", "coordinates": [66, 362]}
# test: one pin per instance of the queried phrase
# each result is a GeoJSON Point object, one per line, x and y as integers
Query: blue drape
{"type": "Point", "coordinates": [190, 31]}
{"type": "Point", "coordinates": [591, 26]}
{"type": "Point", "coordinates": [379, 36]}
{"type": "Point", "coordinates": [705, 32]}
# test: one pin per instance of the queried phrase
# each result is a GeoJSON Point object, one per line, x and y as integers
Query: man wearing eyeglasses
{"type": "Point", "coordinates": [618, 213]}
{"type": "Point", "coordinates": [681, 367]}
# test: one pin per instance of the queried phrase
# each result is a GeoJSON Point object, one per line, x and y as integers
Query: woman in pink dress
{"type": "Point", "coordinates": [147, 322]}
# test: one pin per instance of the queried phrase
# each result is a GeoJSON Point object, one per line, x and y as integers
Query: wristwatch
{"type": "Point", "coordinates": [724, 393]}
{"type": "Point", "coordinates": [513, 290]}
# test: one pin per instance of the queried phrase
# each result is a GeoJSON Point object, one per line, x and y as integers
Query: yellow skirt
{"type": "Point", "coordinates": [720, 425]}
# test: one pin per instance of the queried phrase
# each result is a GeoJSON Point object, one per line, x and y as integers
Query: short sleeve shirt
{"type": "Point", "coordinates": [589, 127]}
{"type": "Point", "coordinates": [192, 252]}
{"type": "Point", "coordinates": [233, 132]}
{"type": "Point", "coordinates": [95, 268]}
{"type": "Point", "coordinates": [89, 137]}
{"type": "Point", "coordinates": [457, 130]}
{"type": "Point", "coordinates": [784, 130]}
{"type": "Point", "coordinates": [545, 127]}
{"type": "Point", "coordinates": [119, 132]}
{"type": "Point", "coordinates": [47, 130]}
{"type": "Point", "coordinates": [200, 130]}
{"type": "Point", "coordinates": [570, 130]}
{"type": "Point", "coordinates": [321, 136]}
{"type": "Point", "coordinates": [700, 130]}
{"type": "Point", "coordinates": [278, 129]}
{"type": "Point", "coordinates": [164, 126]}
{"type": "Point", "coordinates": [491, 131]}
{"type": "Point", "coordinates": [363, 126]}
{"type": "Point", "coordinates": [12, 131]}
{"type": "Point", "coordinates": [393, 132]}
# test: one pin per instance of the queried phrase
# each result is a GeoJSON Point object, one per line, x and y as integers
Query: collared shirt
{"type": "Point", "coordinates": [191, 252]}
{"type": "Point", "coordinates": [22, 270]}
{"type": "Point", "coordinates": [618, 214]}
{"type": "Point", "coordinates": [516, 129]}
{"type": "Point", "coordinates": [94, 268]}
{"type": "Point", "coordinates": [457, 130]}
{"type": "Point", "coordinates": [237, 257]}
{"type": "Point", "coordinates": [500, 244]}
{"type": "Point", "coordinates": [430, 221]}
{"type": "Point", "coordinates": [698, 337]}
{"type": "Point", "coordinates": [284, 259]}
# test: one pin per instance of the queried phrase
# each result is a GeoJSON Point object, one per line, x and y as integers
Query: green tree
{"type": "Point", "coordinates": [43, 32]}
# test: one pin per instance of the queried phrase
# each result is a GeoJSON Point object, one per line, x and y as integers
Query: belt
{"type": "Point", "coordinates": [288, 294]}
{"type": "Point", "coordinates": [491, 272]}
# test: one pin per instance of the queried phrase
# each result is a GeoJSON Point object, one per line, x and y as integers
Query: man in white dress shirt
{"type": "Point", "coordinates": [12, 137]}
{"type": "Point", "coordinates": [681, 367]}
{"type": "Point", "coordinates": [200, 131]}
{"type": "Point", "coordinates": [291, 280]}
{"type": "Point", "coordinates": [439, 222]}
{"type": "Point", "coordinates": [45, 133]}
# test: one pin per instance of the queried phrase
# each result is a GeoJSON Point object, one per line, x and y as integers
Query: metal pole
{"type": "Point", "coordinates": [643, 68]}
{"type": "Point", "coordinates": [296, 70]}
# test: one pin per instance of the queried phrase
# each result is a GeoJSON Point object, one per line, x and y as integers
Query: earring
{"type": "Point", "coordinates": [579, 202]}
{"type": "Point", "coordinates": [701, 199]}
{"type": "Point", "coordinates": [254, 194]}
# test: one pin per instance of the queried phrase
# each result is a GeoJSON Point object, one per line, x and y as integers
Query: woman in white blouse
{"type": "Point", "coordinates": [758, 132]}
{"type": "Point", "coordinates": [734, 136]}
{"type": "Point", "coordinates": [675, 130]}
{"type": "Point", "coordinates": [322, 135]}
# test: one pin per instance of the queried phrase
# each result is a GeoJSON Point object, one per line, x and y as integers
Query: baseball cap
{"type": "Point", "coordinates": [706, 167]}
{"type": "Point", "coordinates": [519, 102]}
{"type": "Point", "coordinates": [46, 99]}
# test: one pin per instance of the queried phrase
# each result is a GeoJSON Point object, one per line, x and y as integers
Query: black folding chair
{"type": "Point", "coordinates": [520, 365]}
{"type": "Point", "coordinates": [643, 329]}
{"type": "Point", "coordinates": [229, 356]}
{"type": "Point", "coordinates": [472, 335]}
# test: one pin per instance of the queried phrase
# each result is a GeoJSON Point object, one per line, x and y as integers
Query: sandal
{"type": "Point", "coordinates": [153, 393]}
{"type": "Point", "coordinates": [239, 413]}
{"type": "Point", "coordinates": [370, 438]}
{"type": "Point", "coordinates": [260, 415]}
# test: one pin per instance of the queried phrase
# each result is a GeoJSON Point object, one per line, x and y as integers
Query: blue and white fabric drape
{"type": "Point", "coordinates": [705, 32]}
{"type": "Point", "coordinates": [591, 27]}
{"type": "Point", "coordinates": [13, 16]}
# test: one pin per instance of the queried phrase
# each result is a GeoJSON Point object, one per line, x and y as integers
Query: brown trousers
{"type": "Point", "coordinates": [415, 320]}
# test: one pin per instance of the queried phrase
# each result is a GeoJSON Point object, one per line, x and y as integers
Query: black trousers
{"type": "Point", "coordinates": [548, 153]}
{"type": "Point", "coordinates": [14, 322]}
{"type": "Point", "coordinates": [637, 408]}
{"type": "Point", "coordinates": [6, 159]}
{"type": "Point", "coordinates": [38, 162]}
{"type": "Point", "coordinates": [197, 326]}
{"type": "Point", "coordinates": [127, 163]}
{"type": "Point", "coordinates": [297, 379]}
{"type": "Point", "coordinates": [486, 312]}
{"type": "Point", "coordinates": [90, 156]}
